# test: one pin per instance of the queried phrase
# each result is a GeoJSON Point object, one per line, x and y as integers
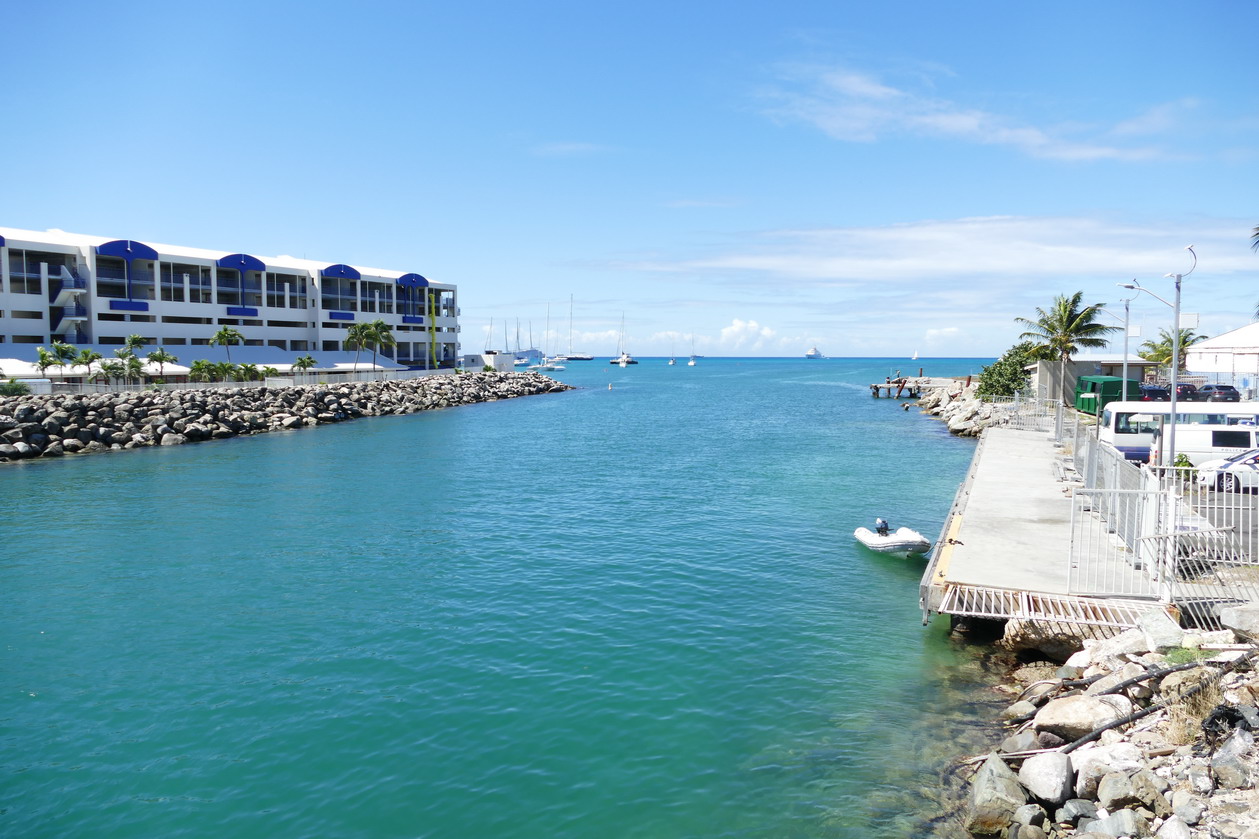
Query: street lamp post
{"type": "Point", "coordinates": [1169, 452]}
{"type": "Point", "coordinates": [1126, 302]}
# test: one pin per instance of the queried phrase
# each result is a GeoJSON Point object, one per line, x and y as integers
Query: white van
{"type": "Point", "coordinates": [1132, 426]}
{"type": "Point", "coordinates": [1201, 443]}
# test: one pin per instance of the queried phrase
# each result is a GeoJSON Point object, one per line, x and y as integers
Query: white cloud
{"type": "Point", "coordinates": [745, 335]}
{"type": "Point", "coordinates": [857, 107]}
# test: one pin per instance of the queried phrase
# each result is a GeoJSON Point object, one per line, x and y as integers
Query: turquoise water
{"type": "Point", "coordinates": [635, 612]}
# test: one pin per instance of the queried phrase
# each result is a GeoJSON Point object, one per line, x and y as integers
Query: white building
{"type": "Point", "coordinates": [1232, 357]}
{"type": "Point", "coordinates": [93, 291]}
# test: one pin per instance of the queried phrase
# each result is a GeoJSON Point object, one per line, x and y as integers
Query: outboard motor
{"type": "Point", "coordinates": [881, 526]}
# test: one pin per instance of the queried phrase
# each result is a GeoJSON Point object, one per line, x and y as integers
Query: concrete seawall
{"type": "Point", "coordinates": [35, 426]}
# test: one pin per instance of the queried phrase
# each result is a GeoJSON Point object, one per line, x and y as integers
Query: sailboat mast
{"type": "Point", "coordinates": [570, 324]}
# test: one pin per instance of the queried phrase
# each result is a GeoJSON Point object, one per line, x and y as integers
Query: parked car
{"type": "Point", "coordinates": [1154, 393]}
{"type": "Point", "coordinates": [1238, 473]}
{"type": "Point", "coordinates": [1219, 393]}
{"type": "Point", "coordinates": [1186, 392]}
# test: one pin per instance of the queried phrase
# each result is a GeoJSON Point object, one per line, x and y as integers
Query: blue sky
{"type": "Point", "coordinates": [872, 178]}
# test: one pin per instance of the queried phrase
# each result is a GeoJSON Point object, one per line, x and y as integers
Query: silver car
{"type": "Point", "coordinates": [1233, 474]}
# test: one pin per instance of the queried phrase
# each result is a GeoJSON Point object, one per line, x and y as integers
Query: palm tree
{"type": "Point", "coordinates": [1254, 245]}
{"type": "Point", "coordinates": [201, 371]}
{"type": "Point", "coordinates": [161, 358]}
{"type": "Point", "coordinates": [85, 359]}
{"type": "Point", "coordinates": [64, 352]}
{"type": "Point", "coordinates": [304, 363]}
{"type": "Point", "coordinates": [247, 373]}
{"type": "Point", "coordinates": [380, 336]}
{"type": "Point", "coordinates": [357, 336]}
{"type": "Point", "coordinates": [223, 371]}
{"type": "Point", "coordinates": [1062, 330]}
{"type": "Point", "coordinates": [133, 344]}
{"type": "Point", "coordinates": [268, 372]}
{"type": "Point", "coordinates": [134, 367]}
{"type": "Point", "coordinates": [1160, 349]}
{"type": "Point", "coordinates": [225, 337]}
{"type": "Point", "coordinates": [113, 369]}
{"type": "Point", "coordinates": [45, 360]}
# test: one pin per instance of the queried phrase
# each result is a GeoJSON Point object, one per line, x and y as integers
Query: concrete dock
{"type": "Point", "coordinates": [1005, 550]}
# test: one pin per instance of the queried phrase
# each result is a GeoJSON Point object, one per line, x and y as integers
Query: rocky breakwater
{"type": "Point", "coordinates": [1148, 733]}
{"type": "Point", "coordinates": [34, 426]}
{"type": "Point", "coordinates": [960, 407]}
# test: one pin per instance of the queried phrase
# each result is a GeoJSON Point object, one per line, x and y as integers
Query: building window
{"type": "Point", "coordinates": [21, 315]}
{"type": "Point", "coordinates": [174, 342]}
{"type": "Point", "coordinates": [28, 339]}
{"type": "Point", "coordinates": [277, 344]}
{"type": "Point", "coordinates": [331, 346]}
{"type": "Point", "coordinates": [298, 346]}
{"type": "Point", "coordinates": [199, 288]}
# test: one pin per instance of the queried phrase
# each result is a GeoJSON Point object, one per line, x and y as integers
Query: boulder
{"type": "Point", "coordinates": [1160, 631]}
{"type": "Point", "coordinates": [995, 795]}
{"type": "Point", "coordinates": [1229, 766]}
{"type": "Point", "coordinates": [1174, 828]}
{"type": "Point", "coordinates": [1092, 764]}
{"type": "Point", "coordinates": [173, 439]}
{"type": "Point", "coordinates": [1124, 823]}
{"type": "Point", "coordinates": [1072, 717]}
{"type": "Point", "coordinates": [1048, 777]}
{"type": "Point", "coordinates": [1243, 620]}
{"type": "Point", "coordinates": [1075, 810]}
{"type": "Point", "coordinates": [1057, 641]}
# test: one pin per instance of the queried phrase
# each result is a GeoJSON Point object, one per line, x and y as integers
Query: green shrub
{"type": "Point", "coordinates": [14, 388]}
{"type": "Point", "coordinates": [1006, 376]}
{"type": "Point", "coordinates": [1185, 655]}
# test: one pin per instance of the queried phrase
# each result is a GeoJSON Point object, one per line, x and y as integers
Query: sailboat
{"type": "Point", "coordinates": [914, 357]}
{"type": "Point", "coordinates": [691, 363]}
{"type": "Point", "coordinates": [673, 356]}
{"type": "Point", "coordinates": [624, 359]}
{"type": "Point", "coordinates": [570, 355]}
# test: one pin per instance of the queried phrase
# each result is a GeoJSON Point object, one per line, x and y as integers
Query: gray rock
{"type": "Point", "coordinates": [1149, 789]}
{"type": "Point", "coordinates": [173, 439]}
{"type": "Point", "coordinates": [1115, 792]}
{"type": "Point", "coordinates": [1174, 828]}
{"type": "Point", "coordinates": [995, 795]}
{"type": "Point", "coordinates": [1019, 710]}
{"type": "Point", "coordinates": [1161, 632]}
{"type": "Point", "coordinates": [1048, 777]}
{"type": "Point", "coordinates": [1071, 717]}
{"type": "Point", "coordinates": [1075, 810]}
{"type": "Point", "coordinates": [1229, 767]}
{"type": "Point", "coordinates": [1030, 814]}
{"type": "Point", "coordinates": [1024, 741]}
{"type": "Point", "coordinates": [1243, 620]}
{"type": "Point", "coordinates": [1122, 823]}
{"type": "Point", "coordinates": [1187, 806]}
{"type": "Point", "coordinates": [1026, 831]}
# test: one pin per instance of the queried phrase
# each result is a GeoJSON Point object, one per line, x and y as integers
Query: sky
{"type": "Point", "coordinates": [874, 179]}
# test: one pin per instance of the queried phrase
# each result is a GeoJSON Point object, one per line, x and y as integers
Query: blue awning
{"type": "Point", "coordinates": [343, 272]}
{"type": "Point", "coordinates": [126, 249]}
{"type": "Point", "coordinates": [412, 281]}
{"type": "Point", "coordinates": [241, 262]}
{"type": "Point", "coordinates": [1, 241]}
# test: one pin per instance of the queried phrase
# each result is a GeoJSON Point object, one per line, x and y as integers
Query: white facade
{"type": "Point", "coordinates": [1232, 356]}
{"type": "Point", "coordinates": [90, 290]}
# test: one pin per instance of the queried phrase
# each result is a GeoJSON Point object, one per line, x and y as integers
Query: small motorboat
{"type": "Point", "coordinates": [903, 540]}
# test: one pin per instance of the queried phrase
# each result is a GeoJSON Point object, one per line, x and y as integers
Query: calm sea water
{"type": "Point", "coordinates": [635, 612]}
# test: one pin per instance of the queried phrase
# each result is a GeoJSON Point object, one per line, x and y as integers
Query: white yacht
{"type": "Point", "coordinates": [814, 353]}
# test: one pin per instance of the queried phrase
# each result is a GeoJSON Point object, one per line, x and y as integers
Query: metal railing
{"type": "Point", "coordinates": [1171, 535]}
{"type": "Point", "coordinates": [297, 379]}
{"type": "Point", "coordinates": [1026, 413]}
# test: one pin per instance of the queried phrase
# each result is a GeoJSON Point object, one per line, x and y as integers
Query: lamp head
{"type": "Point", "coordinates": [1127, 285]}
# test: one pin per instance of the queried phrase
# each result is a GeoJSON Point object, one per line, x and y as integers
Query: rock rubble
{"type": "Point", "coordinates": [961, 409]}
{"type": "Point", "coordinates": [55, 425]}
{"type": "Point", "coordinates": [1148, 733]}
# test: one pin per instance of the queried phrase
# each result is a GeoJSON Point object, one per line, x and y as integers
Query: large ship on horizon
{"type": "Point", "coordinates": [814, 353]}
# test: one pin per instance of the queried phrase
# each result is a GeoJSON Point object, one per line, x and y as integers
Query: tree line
{"type": "Point", "coordinates": [127, 365]}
